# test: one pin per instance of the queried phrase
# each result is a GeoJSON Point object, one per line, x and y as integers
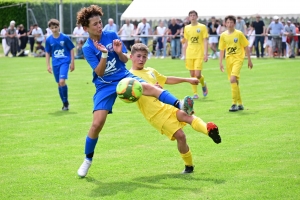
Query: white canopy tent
{"type": "Point", "coordinates": [155, 10]}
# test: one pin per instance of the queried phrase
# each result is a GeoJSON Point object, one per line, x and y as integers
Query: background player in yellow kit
{"type": "Point", "coordinates": [235, 44]}
{"type": "Point", "coordinates": [167, 119]}
{"type": "Point", "coordinates": [195, 34]}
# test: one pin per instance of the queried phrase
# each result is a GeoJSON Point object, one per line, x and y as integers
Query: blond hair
{"type": "Point", "coordinates": [139, 47]}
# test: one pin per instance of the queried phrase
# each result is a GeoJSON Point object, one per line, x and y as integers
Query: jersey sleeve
{"type": "Point", "coordinates": [161, 79]}
{"type": "Point", "coordinates": [69, 43]}
{"type": "Point", "coordinates": [47, 46]}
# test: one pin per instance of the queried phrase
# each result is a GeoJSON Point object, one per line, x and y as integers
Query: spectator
{"type": "Point", "coordinates": [3, 35]}
{"type": "Point", "coordinates": [144, 29]}
{"type": "Point", "coordinates": [23, 39]}
{"type": "Point", "coordinates": [290, 32]}
{"type": "Point", "coordinates": [77, 32]}
{"type": "Point", "coordinates": [79, 54]}
{"type": "Point", "coordinates": [39, 50]}
{"type": "Point", "coordinates": [174, 31]}
{"type": "Point", "coordinates": [259, 27]}
{"type": "Point", "coordinates": [31, 38]}
{"type": "Point", "coordinates": [283, 43]}
{"type": "Point", "coordinates": [12, 39]}
{"type": "Point", "coordinates": [183, 42]}
{"type": "Point", "coordinates": [127, 32]}
{"type": "Point", "coordinates": [276, 30]}
{"type": "Point", "coordinates": [111, 26]}
{"type": "Point", "coordinates": [213, 39]}
{"type": "Point", "coordinates": [161, 31]}
{"type": "Point", "coordinates": [48, 33]}
{"type": "Point", "coordinates": [251, 37]}
{"type": "Point", "coordinates": [241, 25]}
{"type": "Point", "coordinates": [37, 33]}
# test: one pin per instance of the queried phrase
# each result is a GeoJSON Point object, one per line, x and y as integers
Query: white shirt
{"type": "Point", "coordinates": [49, 32]}
{"type": "Point", "coordinates": [161, 30]}
{"type": "Point", "coordinates": [127, 32]}
{"type": "Point", "coordinates": [3, 32]}
{"type": "Point", "coordinates": [38, 31]}
{"type": "Point", "coordinates": [144, 28]}
{"type": "Point", "coordinates": [78, 31]}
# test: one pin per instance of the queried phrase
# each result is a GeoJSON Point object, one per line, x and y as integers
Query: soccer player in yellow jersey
{"type": "Point", "coordinates": [167, 119]}
{"type": "Point", "coordinates": [235, 44]}
{"type": "Point", "coordinates": [196, 36]}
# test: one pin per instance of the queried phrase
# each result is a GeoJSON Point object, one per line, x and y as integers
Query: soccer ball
{"type": "Point", "coordinates": [129, 90]}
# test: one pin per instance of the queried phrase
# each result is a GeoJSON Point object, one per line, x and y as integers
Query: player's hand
{"type": "Point", "coordinates": [100, 47]}
{"type": "Point", "coordinates": [193, 81]}
{"type": "Point", "coordinates": [250, 65]}
{"type": "Point", "coordinates": [72, 66]}
{"type": "Point", "coordinates": [205, 58]}
{"type": "Point", "coordinates": [157, 85]}
{"type": "Point", "coordinates": [49, 69]}
{"type": "Point", "coordinates": [221, 67]}
{"type": "Point", "coordinates": [117, 46]}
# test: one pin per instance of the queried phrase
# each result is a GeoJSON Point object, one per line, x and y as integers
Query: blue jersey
{"type": "Point", "coordinates": [59, 48]}
{"type": "Point", "coordinates": [115, 69]}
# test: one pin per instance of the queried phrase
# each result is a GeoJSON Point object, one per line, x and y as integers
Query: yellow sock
{"type": "Point", "coordinates": [202, 80]}
{"type": "Point", "coordinates": [234, 92]}
{"type": "Point", "coordinates": [199, 125]}
{"type": "Point", "coordinates": [194, 87]}
{"type": "Point", "coordinates": [239, 99]}
{"type": "Point", "coordinates": [187, 158]}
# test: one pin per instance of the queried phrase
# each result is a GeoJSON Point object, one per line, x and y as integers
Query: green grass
{"type": "Point", "coordinates": [42, 147]}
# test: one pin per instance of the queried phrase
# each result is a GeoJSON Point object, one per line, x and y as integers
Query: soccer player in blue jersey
{"type": "Point", "coordinates": [60, 48]}
{"type": "Point", "coordinates": [105, 53]}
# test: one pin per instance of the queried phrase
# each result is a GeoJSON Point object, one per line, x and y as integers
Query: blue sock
{"type": "Point", "coordinates": [60, 93]}
{"type": "Point", "coordinates": [168, 98]}
{"type": "Point", "coordinates": [64, 91]}
{"type": "Point", "coordinates": [90, 145]}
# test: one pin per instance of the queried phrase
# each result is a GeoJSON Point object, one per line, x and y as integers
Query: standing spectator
{"type": "Point", "coordinates": [79, 52]}
{"type": "Point", "coordinates": [290, 32]}
{"type": "Point", "coordinates": [31, 39]}
{"type": "Point", "coordinates": [213, 38]}
{"type": "Point", "coordinates": [12, 39]}
{"type": "Point", "coordinates": [144, 29]}
{"type": "Point", "coordinates": [251, 37]}
{"type": "Point", "coordinates": [183, 43]}
{"type": "Point", "coordinates": [240, 25]}
{"type": "Point", "coordinates": [283, 43]}
{"type": "Point", "coordinates": [135, 26]}
{"type": "Point", "coordinates": [276, 30]}
{"type": "Point", "coordinates": [127, 32]}
{"type": "Point", "coordinates": [23, 39]}
{"type": "Point", "coordinates": [37, 33]}
{"type": "Point", "coordinates": [174, 31]}
{"type": "Point", "coordinates": [111, 26]}
{"type": "Point", "coordinates": [161, 40]}
{"type": "Point", "coordinates": [48, 33]}
{"type": "Point", "coordinates": [259, 27]}
{"type": "Point", "coordinates": [3, 35]}
{"type": "Point", "coordinates": [77, 32]}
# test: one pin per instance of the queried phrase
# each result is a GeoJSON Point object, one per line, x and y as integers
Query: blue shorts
{"type": "Point", "coordinates": [106, 95]}
{"type": "Point", "coordinates": [60, 71]}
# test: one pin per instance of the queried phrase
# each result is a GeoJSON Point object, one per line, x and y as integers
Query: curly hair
{"type": "Point", "coordinates": [85, 14]}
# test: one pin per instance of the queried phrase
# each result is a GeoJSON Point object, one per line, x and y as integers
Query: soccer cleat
{"type": "Point", "coordinates": [65, 107]}
{"type": "Point", "coordinates": [188, 170]}
{"type": "Point", "coordinates": [233, 108]}
{"type": "Point", "coordinates": [187, 105]}
{"type": "Point", "coordinates": [213, 132]}
{"type": "Point", "coordinates": [195, 96]}
{"type": "Point", "coordinates": [84, 168]}
{"type": "Point", "coordinates": [240, 107]}
{"type": "Point", "coordinates": [204, 89]}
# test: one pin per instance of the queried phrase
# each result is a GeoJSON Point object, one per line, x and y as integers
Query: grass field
{"type": "Point", "coordinates": [42, 147]}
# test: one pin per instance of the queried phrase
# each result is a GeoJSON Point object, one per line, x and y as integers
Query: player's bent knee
{"type": "Point", "coordinates": [180, 136]}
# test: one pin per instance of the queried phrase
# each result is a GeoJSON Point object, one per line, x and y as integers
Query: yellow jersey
{"type": "Point", "coordinates": [194, 35]}
{"type": "Point", "coordinates": [153, 110]}
{"type": "Point", "coordinates": [234, 44]}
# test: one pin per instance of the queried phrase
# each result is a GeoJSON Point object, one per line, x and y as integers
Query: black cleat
{"type": "Point", "coordinates": [65, 107]}
{"type": "Point", "coordinates": [188, 170]}
{"type": "Point", "coordinates": [213, 132]}
{"type": "Point", "coordinates": [233, 108]}
{"type": "Point", "coordinates": [240, 107]}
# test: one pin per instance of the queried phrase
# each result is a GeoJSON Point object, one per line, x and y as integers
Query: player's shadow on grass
{"type": "Point", "coordinates": [62, 113]}
{"type": "Point", "coordinates": [159, 182]}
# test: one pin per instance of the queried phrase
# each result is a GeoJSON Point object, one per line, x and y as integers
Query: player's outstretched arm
{"type": "Point", "coordinates": [99, 70]}
{"type": "Point", "coordinates": [175, 80]}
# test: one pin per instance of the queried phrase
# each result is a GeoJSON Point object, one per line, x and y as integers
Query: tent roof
{"type": "Point", "coordinates": [155, 10]}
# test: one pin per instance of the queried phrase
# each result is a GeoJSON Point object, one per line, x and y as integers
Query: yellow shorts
{"type": "Point", "coordinates": [171, 124]}
{"type": "Point", "coordinates": [194, 64]}
{"type": "Point", "coordinates": [233, 67]}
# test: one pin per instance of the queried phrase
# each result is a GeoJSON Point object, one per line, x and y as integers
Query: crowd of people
{"type": "Point", "coordinates": [279, 39]}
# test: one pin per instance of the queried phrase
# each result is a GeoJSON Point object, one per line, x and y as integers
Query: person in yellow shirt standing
{"type": "Point", "coordinates": [235, 44]}
{"type": "Point", "coordinates": [195, 34]}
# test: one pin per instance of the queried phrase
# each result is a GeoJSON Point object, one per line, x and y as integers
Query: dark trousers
{"type": "Point", "coordinates": [31, 42]}
{"type": "Point", "coordinates": [259, 39]}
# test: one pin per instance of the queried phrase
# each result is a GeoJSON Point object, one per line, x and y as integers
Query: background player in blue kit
{"type": "Point", "coordinates": [60, 48]}
{"type": "Point", "coordinates": [105, 53]}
